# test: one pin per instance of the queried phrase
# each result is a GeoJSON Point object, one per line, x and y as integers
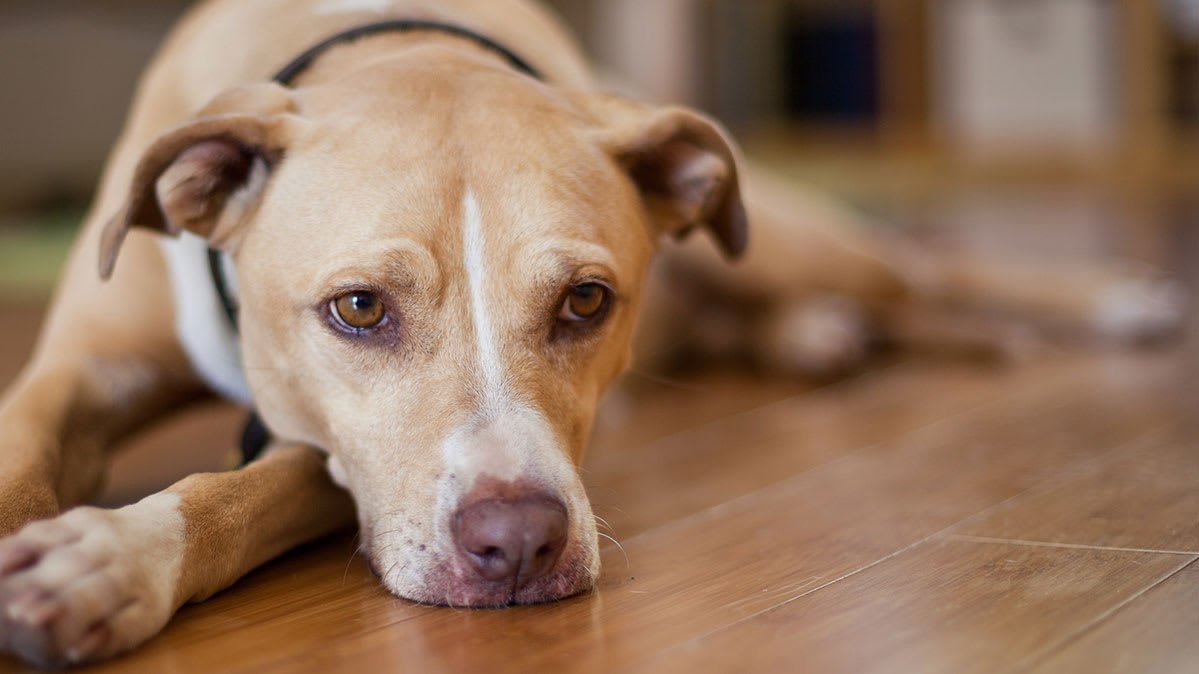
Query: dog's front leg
{"type": "Point", "coordinates": [68, 409]}
{"type": "Point", "coordinates": [92, 583]}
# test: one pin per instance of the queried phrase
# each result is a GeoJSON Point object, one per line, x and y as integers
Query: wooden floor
{"type": "Point", "coordinates": [921, 517]}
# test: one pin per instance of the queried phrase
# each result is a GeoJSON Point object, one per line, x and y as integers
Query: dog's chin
{"type": "Point", "coordinates": [451, 585]}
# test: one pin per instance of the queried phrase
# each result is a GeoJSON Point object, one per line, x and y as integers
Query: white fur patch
{"type": "Point", "coordinates": [347, 6]}
{"type": "Point", "coordinates": [474, 260]}
{"type": "Point", "coordinates": [200, 323]}
{"type": "Point", "coordinates": [1140, 308]}
{"type": "Point", "coordinates": [505, 448]}
{"type": "Point", "coordinates": [337, 472]}
{"type": "Point", "coordinates": [158, 518]}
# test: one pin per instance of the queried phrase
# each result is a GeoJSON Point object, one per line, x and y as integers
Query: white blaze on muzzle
{"type": "Point", "coordinates": [474, 261]}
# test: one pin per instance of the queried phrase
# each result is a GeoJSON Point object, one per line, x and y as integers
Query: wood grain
{"type": "Point", "coordinates": [1153, 635]}
{"type": "Point", "coordinates": [1144, 496]}
{"type": "Point", "coordinates": [721, 454]}
{"type": "Point", "coordinates": [947, 606]}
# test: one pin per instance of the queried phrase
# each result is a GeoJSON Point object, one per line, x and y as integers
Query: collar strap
{"type": "Point", "coordinates": [301, 63]}
{"type": "Point", "coordinates": [216, 270]}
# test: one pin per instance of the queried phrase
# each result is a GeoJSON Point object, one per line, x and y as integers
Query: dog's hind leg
{"type": "Point", "coordinates": [92, 583]}
{"type": "Point", "coordinates": [1078, 300]}
{"type": "Point", "coordinates": [803, 299]}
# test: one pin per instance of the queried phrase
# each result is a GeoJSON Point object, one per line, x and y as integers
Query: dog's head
{"type": "Point", "coordinates": [439, 263]}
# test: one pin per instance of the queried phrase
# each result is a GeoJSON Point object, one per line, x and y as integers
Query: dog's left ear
{"type": "Point", "coordinates": [207, 175]}
{"type": "Point", "coordinates": [683, 163]}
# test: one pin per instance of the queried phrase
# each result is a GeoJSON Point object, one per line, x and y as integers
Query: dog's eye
{"type": "Point", "coordinates": [584, 302]}
{"type": "Point", "coordinates": [358, 310]}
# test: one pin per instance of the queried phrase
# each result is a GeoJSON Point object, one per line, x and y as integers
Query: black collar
{"type": "Point", "coordinates": [289, 73]}
{"type": "Point", "coordinates": [255, 436]}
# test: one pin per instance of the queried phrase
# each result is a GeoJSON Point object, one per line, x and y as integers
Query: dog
{"type": "Point", "coordinates": [418, 254]}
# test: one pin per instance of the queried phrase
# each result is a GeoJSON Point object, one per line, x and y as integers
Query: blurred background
{"type": "Point", "coordinates": [1038, 128]}
{"type": "Point", "coordinates": [1034, 127]}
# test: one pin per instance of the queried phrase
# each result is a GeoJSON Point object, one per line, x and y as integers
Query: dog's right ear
{"type": "Point", "coordinates": [206, 176]}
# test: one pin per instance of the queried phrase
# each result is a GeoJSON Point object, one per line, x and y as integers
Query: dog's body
{"type": "Point", "coordinates": [437, 260]}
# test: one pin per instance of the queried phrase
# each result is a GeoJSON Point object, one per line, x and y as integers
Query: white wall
{"type": "Point", "coordinates": [1012, 76]}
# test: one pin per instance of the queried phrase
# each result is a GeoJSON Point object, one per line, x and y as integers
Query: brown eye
{"type": "Point", "coordinates": [359, 310]}
{"type": "Point", "coordinates": [584, 302]}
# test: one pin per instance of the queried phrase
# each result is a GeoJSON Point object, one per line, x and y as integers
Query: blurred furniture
{"type": "Point", "coordinates": [884, 80]}
{"type": "Point", "coordinates": [68, 68]}
{"type": "Point", "coordinates": [1097, 90]}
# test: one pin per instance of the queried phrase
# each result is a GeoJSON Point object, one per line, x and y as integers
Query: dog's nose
{"type": "Point", "coordinates": [510, 540]}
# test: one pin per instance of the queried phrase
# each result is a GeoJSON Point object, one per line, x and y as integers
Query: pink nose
{"type": "Point", "coordinates": [512, 540]}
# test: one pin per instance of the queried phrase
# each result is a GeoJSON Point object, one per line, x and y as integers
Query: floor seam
{"type": "Point", "coordinates": [1036, 659]}
{"type": "Point", "coordinates": [942, 533]}
{"type": "Point", "coordinates": [1072, 546]}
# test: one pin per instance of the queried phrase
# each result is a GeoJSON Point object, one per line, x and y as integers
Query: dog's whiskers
{"type": "Point", "coordinates": [357, 547]}
{"type": "Point", "coordinates": [665, 381]}
{"type": "Point", "coordinates": [383, 578]}
{"type": "Point", "coordinates": [620, 547]}
{"type": "Point", "coordinates": [381, 534]}
{"type": "Point", "coordinates": [600, 520]}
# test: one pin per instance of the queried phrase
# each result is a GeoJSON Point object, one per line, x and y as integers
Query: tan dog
{"type": "Point", "coordinates": [437, 261]}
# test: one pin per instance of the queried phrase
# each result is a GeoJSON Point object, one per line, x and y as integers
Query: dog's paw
{"type": "Point", "coordinates": [90, 583]}
{"type": "Point", "coordinates": [1137, 310]}
{"type": "Point", "coordinates": [816, 337]}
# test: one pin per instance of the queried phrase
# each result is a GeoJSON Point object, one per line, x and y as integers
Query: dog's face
{"type": "Point", "coordinates": [439, 264]}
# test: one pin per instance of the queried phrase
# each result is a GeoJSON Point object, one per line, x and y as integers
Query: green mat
{"type": "Point", "coordinates": [32, 252]}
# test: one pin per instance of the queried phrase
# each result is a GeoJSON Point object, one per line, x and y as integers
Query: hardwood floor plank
{"type": "Point", "coordinates": [1144, 496]}
{"type": "Point", "coordinates": [1154, 634]}
{"type": "Point", "coordinates": [945, 606]}
{"type": "Point", "coordinates": [713, 461]}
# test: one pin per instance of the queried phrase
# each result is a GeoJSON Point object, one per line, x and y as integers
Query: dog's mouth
{"type": "Point", "coordinates": [453, 584]}
{"type": "Point", "coordinates": [502, 544]}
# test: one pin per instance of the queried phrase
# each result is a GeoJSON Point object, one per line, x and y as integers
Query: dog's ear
{"type": "Point", "coordinates": [207, 175]}
{"type": "Point", "coordinates": [683, 163]}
